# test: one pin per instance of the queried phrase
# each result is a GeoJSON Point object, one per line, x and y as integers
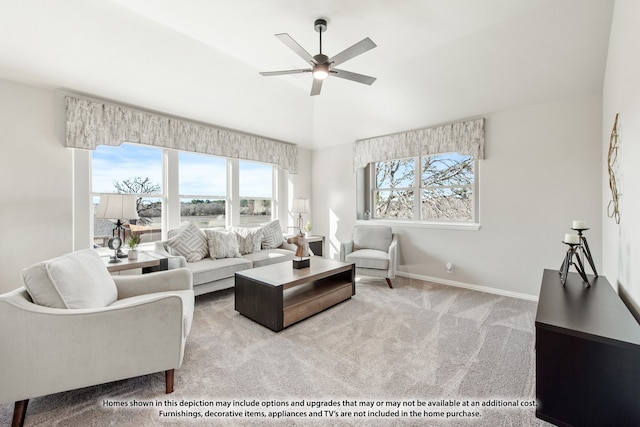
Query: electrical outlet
{"type": "Point", "coordinates": [449, 268]}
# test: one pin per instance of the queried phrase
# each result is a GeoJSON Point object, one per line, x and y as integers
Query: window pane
{"type": "Point", "coordinates": [255, 211]}
{"type": "Point", "coordinates": [395, 174]}
{"type": "Point", "coordinates": [394, 204]}
{"type": "Point", "coordinates": [149, 223]}
{"type": "Point", "coordinates": [140, 166]}
{"type": "Point", "coordinates": [131, 169]}
{"type": "Point", "coordinates": [204, 213]}
{"type": "Point", "coordinates": [448, 170]}
{"type": "Point", "coordinates": [256, 192]}
{"type": "Point", "coordinates": [449, 204]}
{"type": "Point", "coordinates": [202, 175]}
{"type": "Point", "coordinates": [256, 179]}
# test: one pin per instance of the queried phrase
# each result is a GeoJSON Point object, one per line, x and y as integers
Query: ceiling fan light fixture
{"type": "Point", "coordinates": [321, 72]}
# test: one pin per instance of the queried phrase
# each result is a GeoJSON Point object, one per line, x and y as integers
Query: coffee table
{"type": "Point", "coordinates": [277, 295]}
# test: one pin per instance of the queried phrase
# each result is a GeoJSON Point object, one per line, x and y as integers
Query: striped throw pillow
{"type": "Point", "coordinates": [272, 236]}
{"type": "Point", "coordinates": [190, 242]}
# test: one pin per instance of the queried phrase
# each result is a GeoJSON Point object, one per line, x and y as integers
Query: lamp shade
{"type": "Point", "coordinates": [300, 206]}
{"type": "Point", "coordinates": [117, 206]}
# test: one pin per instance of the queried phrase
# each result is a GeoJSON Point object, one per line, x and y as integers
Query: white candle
{"type": "Point", "coordinates": [579, 225]}
{"type": "Point", "coordinates": [573, 239]}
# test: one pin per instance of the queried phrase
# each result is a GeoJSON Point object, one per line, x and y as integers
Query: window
{"type": "Point", "coordinates": [446, 188]}
{"type": "Point", "coordinates": [256, 192]}
{"type": "Point", "coordinates": [203, 190]}
{"type": "Point", "coordinates": [132, 169]}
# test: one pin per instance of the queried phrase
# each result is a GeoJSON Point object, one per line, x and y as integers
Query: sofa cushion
{"type": "Point", "coordinates": [372, 237]}
{"type": "Point", "coordinates": [208, 270]}
{"type": "Point", "coordinates": [269, 256]}
{"type": "Point", "coordinates": [272, 236]}
{"type": "Point", "coordinates": [249, 239]}
{"type": "Point", "coordinates": [190, 242]}
{"type": "Point", "coordinates": [222, 244]}
{"type": "Point", "coordinates": [369, 258]}
{"type": "Point", "coordinates": [76, 280]}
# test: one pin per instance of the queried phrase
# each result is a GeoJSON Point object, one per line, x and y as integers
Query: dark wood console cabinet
{"type": "Point", "coordinates": [587, 354]}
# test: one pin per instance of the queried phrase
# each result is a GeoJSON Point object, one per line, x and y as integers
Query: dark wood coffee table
{"type": "Point", "coordinates": [277, 296]}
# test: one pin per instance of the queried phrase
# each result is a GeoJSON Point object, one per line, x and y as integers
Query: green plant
{"type": "Point", "coordinates": [307, 227]}
{"type": "Point", "coordinates": [134, 240]}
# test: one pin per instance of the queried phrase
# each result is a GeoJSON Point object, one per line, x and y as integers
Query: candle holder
{"type": "Point", "coordinates": [585, 252]}
{"type": "Point", "coordinates": [568, 261]}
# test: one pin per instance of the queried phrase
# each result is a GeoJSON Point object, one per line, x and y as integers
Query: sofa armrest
{"type": "Point", "coordinates": [47, 350]}
{"type": "Point", "coordinates": [180, 279]}
{"type": "Point", "coordinates": [345, 249]}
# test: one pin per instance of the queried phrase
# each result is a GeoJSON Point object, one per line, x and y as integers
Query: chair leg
{"type": "Point", "coordinates": [19, 413]}
{"type": "Point", "coordinates": [168, 378]}
{"type": "Point", "coordinates": [389, 282]}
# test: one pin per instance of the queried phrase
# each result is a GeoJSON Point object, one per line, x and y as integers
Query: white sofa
{"type": "Point", "coordinates": [74, 325]}
{"type": "Point", "coordinates": [214, 274]}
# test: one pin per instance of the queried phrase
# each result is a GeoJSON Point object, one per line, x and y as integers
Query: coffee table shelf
{"type": "Point", "coordinates": [277, 296]}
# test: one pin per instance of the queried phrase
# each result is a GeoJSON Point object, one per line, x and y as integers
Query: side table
{"type": "Point", "coordinates": [316, 244]}
{"type": "Point", "coordinates": [147, 261]}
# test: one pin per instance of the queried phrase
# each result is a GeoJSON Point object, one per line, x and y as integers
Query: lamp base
{"type": "Point", "coordinates": [301, 263]}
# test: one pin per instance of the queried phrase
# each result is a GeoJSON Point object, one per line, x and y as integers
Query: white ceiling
{"type": "Point", "coordinates": [436, 61]}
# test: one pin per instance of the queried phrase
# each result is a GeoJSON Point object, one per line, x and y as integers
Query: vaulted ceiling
{"type": "Point", "coordinates": [436, 60]}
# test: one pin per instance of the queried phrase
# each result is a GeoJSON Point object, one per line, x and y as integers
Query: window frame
{"type": "Point", "coordinates": [170, 196]}
{"type": "Point", "coordinates": [371, 189]}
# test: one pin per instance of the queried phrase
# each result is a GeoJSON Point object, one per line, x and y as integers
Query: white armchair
{"type": "Point", "coordinates": [74, 325]}
{"type": "Point", "coordinates": [374, 251]}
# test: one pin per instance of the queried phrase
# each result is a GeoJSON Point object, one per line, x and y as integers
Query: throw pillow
{"type": "Point", "coordinates": [272, 236]}
{"type": "Point", "coordinates": [222, 244]}
{"type": "Point", "coordinates": [76, 280]}
{"type": "Point", "coordinates": [249, 239]}
{"type": "Point", "coordinates": [190, 243]}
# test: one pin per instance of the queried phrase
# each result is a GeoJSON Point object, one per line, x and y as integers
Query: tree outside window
{"type": "Point", "coordinates": [445, 188]}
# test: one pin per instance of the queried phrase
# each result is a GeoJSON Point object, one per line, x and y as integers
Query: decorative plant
{"type": "Point", "coordinates": [134, 240]}
{"type": "Point", "coordinates": [307, 227]}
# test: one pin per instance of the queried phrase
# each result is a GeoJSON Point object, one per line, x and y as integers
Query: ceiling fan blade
{"type": "Point", "coordinates": [294, 46]}
{"type": "Point", "coordinates": [361, 47]}
{"type": "Point", "coordinates": [316, 86]}
{"type": "Point", "coordinates": [360, 78]}
{"type": "Point", "coordinates": [282, 73]}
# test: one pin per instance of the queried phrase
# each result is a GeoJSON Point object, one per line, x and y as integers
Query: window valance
{"type": "Point", "coordinates": [91, 123]}
{"type": "Point", "coordinates": [463, 137]}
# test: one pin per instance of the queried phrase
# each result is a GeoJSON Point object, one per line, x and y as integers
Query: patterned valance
{"type": "Point", "coordinates": [464, 137]}
{"type": "Point", "coordinates": [91, 123]}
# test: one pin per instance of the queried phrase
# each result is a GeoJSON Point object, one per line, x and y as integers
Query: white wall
{"type": "Point", "coordinates": [621, 94]}
{"type": "Point", "coordinates": [41, 179]}
{"type": "Point", "coordinates": [36, 176]}
{"type": "Point", "coordinates": [542, 170]}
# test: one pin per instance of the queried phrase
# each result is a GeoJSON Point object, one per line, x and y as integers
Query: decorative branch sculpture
{"type": "Point", "coordinates": [612, 209]}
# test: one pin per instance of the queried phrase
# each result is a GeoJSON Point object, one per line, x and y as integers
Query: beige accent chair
{"type": "Point", "coordinates": [74, 325]}
{"type": "Point", "coordinates": [374, 251]}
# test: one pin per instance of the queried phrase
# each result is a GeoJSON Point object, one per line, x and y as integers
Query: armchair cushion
{"type": "Point", "coordinates": [76, 280]}
{"type": "Point", "coordinates": [372, 237]}
{"type": "Point", "coordinates": [369, 258]}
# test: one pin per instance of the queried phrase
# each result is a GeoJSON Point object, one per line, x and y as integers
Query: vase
{"type": "Point", "coordinates": [133, 254]}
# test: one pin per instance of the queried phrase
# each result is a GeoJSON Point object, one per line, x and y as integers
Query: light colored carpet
{"type": "Point", "coordinates": [416, 343]}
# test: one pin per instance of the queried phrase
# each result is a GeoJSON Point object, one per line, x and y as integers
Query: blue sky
{"type": "Point", "coordinates": [199, 174]}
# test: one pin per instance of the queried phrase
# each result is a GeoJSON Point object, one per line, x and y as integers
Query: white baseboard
{"type": "Point", "coordinates": [468, 286]}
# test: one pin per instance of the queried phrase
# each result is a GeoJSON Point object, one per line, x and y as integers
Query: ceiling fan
{"type": "Point", "coordinates": [322, 65]}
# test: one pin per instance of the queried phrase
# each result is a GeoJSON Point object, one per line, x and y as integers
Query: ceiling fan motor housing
{"type": "Point", "coordinates": [320, 25]}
